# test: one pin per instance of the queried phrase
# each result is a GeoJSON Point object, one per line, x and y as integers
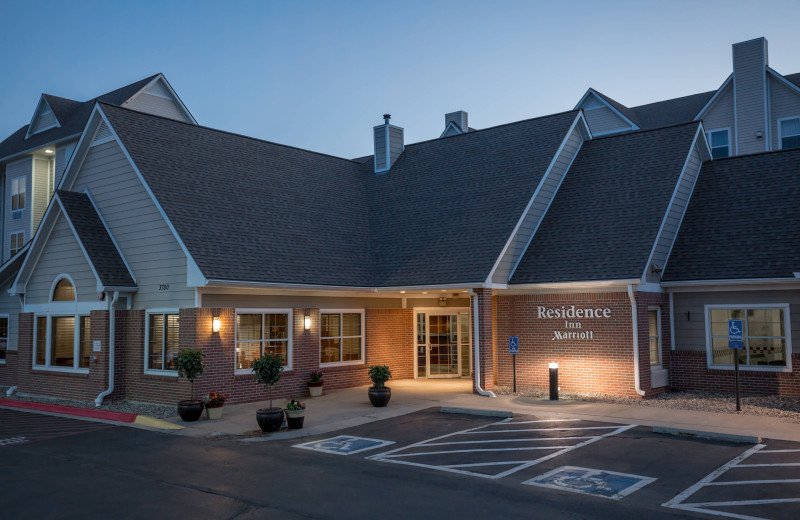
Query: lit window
{"type": "Point", "coordinates": [62, 339]}
{"type": "Point", "coordinates": [341, 337]}
{"type": "Point", "coordinates": [162, 341]}
{"type": "Point", "coordinates": [16, 242]}
{"type": "Point", "coordinates": [719, 141]}
{"type": "Point", "coordinates": [765, 341]}
{"type": "Point", "coordinates": [3, 337]}
{"type": "Point", "coordinates": [18, 194]}
{"type": "Point", "coordinates": [789, 131]}
{"type": "Point", "coordinates": [64, 291]}
{"type": "Point", "coordinates": [262, 333]}
{"type": "Point", "coordinates": [654, 319]}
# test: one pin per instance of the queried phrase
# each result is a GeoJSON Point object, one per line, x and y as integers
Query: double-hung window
{"type": "Point", "coordinates": [16, 241]}
{"type": "Point", "coordinates": [720, 143]}
{"type": "Point", "coordinates": [654, 325]}
{"type": "Point", "coordinates": [18, 193]}
{"type": "Point", "coordinates": [789, 132]}
{"type": "Point", "coordinates": [767, 342]}
{"type": "Point", "coordinates": [262, 332]}
{"type": "Point", "coordinates": [62, 339]}
{"type": "Point", "coordinates": [341, 337]}
{"type": "Point", "coordinates": [3, 337]}
{"type": "Point", "coordinates": [163, 330]}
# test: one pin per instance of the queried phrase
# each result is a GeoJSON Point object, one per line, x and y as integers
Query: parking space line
{"type": "Point", "coordinates": [507, 440]}
{"type": "Point", "coordinates": [741, 482]}
{"type": "Point", "coordinates": [779, 451]}
{"type": "Point", "coordinates": [447, 452]}
{"type": "Point", "coordinates": [543, 429]}
{"type": "Point", "coordinates": [768, 465]}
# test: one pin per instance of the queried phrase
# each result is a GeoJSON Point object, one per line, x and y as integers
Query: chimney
{"type": "Point", "coordinates": [388, 144]}
{"type": "Point", "coordinates": [457, 118]}
{"type": "Point", "coordinates": [749, 83]}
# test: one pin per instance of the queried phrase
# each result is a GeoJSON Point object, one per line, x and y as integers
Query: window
{"type": "Point", "coordinates": [341, 337]}
{"type": "Point", "coordinates": [18, 194]}
{"type": "Point", "coordinates": [719, 141]}
{"type": "Point", "coordinates": [163, 332]}
{"type": "Point", "coordinates": [16, 242]}
{"type": "Point", "coordinates": [654, 321]}
{"type": "Point", "coordinates": [63, 339]}
{"type": "Point", "coordinates": [789, 132]}
{"type": "Point", "coordinates": [766, 341]}
{"type": "Point", "coordinates": [3, 337]}
{"type": "Point", "coordinates": [64, 291]}
{"type": "Point", "coordinates": [261, 333]}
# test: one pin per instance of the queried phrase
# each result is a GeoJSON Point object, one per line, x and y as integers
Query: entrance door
{"type": "Point", "coordinates": [443, 343]}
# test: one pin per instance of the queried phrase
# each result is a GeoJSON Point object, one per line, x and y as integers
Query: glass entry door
{"type": "Point", "coordinates": [443, 343]}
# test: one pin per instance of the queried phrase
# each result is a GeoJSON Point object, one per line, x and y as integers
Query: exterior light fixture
{"type": "Point", "coordinates": [216, 324]}
{"type": "Point", "coordinates": [307, 322]}
{"type": "Point", "coordinates": [442, 302]}
{"type": "Point", "coordinates": [553, 381]}
{"type": "Point", "coordinates": [48, 150]}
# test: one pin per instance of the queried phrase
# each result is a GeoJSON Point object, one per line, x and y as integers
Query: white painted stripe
{"type": "Point", "coordinates": [779, 451]}
{"type": "Point", "coordinates": [768, 465]}
{"type": "Point", "coordinates": [547, 420]}
{"type": "Point", "coordinates": [476, 464]}
{"type": "Point", "coordinates": [440, 468]}
{"type": "Point", "coordinates": [445, 452]}
{"type": "Point", "coordinates": [542, 429]}
{"type": "Point", "coordinates": [676, 501]}
{"type": "Point", "coordinates": [746, 502]}
{"type": "Point", "coordinates": [717, 513]}
{"type": "Point", "coordinates": [533, 439]}
{"type": "Point", "coordinates": [744, 482]}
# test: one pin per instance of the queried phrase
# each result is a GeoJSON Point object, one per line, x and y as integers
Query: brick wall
{"type": "Point", "coordinates": [601, 364]}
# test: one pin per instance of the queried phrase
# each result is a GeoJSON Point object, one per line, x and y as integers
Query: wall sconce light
{"type": "Point", "coordinates": [216, 324]}
{"type": "Point", "coordinates": [442, 302]}
{"type": "Point", "coordinates": [307, 322]}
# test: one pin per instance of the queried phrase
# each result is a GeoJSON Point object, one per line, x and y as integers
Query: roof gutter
{"type": "Point", "coordinates": [730, 281]}
{"type": "Point", "coordinates": [111, 323]}
{"type": "Point", "coordinates": [316, 287]}
{"type": "Point", "coordinates": [30, 150]}
{"type": "Point", "coordinates": [477, 342]}
{"type": "Point", "coordinates": [635, 322]}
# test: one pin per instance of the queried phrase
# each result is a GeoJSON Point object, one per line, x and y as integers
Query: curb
{"type": "Point", "coordinates": [476, 411]}
{"type": "Point", "coordinates": [70, 410]}
{"type": "Point", "coordinates": [152, 422]}
{"type": "Point", "coordinates": [729, 437]}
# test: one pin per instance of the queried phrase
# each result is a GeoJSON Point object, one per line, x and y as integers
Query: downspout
{"type": "Point", "coordinates": [11, 391]}
{"type": "Point", "coordinates": [111, 322]}
{"type": "Point", "coordinates": [635, 322]}
{"type": "Point", "coordinates": [476, 340]}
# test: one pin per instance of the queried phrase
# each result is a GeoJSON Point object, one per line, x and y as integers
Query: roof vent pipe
{"type": "Point", "coordinates": [388, 144]}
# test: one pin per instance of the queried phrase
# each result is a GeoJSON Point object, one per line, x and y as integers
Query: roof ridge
{"type": "Point", "coordinates": [224, 132]}
{"type": "Point", "coordinates": [674, 99]}
{"type": "Point", "coordinates": [146, 79]}
{"type": "Point", "coordinates": [770, 152]}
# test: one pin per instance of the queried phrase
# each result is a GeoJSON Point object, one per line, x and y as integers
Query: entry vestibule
{"type": "Point", "coordinates": [443, 342]}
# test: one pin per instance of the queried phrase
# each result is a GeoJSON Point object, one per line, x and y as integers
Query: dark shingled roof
{"type": "Point", "coordinates": [102, 252]}
{"type": "Point", "coordinates": [672, 111]}
{"type": "Point", "coordinates": [622, 109]}
{"type": "Point", "coordinates": [9, 270]}
{"type": "Point", "coordinates": [743, 221]}
{"type": "Point", "coordinates": [604, 220]}
{"type": "Point", "coordinates": [72, 116]}
{"type": "Point", "coordinates": [251, 210]}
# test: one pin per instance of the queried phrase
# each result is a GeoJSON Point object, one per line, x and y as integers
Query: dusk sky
{"type": "Point", "coordinates": [318, 75]}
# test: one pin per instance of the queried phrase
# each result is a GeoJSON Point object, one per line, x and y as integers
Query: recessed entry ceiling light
{"type": "Point", "coordinates": [48, 150]}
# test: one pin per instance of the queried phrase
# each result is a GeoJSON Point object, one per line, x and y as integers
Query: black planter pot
{"type": "Point", "coordinates": [379, 396]}
{"type": "Point", "coordinates": [269, 419]}
{"type": "Point", "coordinates": [190, 410]}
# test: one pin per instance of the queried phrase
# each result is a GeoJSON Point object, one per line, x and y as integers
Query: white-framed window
{"type": "Point", "coordinates": [15, 242]}
{"type": "Point", "coordinates": [62, 337]}
{"type": "Point", "coordinates": [162, 333]}
{"type": "Point", "coordinates": [789, 132]}
{"type": "Point", "coordinates": [18, 193]}
{"type": "Point", "coordinates": [720, 142]}
{"type": "Point", "coordinates": [767, 336]}
{"type": "Point", "coordinates": [654, 331]}
{"type": "Point", "coordinates": [262, 331]}
{"type": "Point", "coordinates": [3, 337]}
{"type": "Point", "coordinates": [341, 338]}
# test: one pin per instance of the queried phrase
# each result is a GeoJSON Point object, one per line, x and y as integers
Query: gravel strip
{"type": "Point", "coordinates": [772, 406]}
{"type": "Point", "coordinates": [158, 411]}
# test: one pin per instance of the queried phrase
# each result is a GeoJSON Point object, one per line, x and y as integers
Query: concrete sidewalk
{"type": "Point", "coordinates": [349, 407]}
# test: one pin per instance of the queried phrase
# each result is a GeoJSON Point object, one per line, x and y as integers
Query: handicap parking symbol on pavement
{"type": "Point", "coordinates": [607, 484]}
{"type": "Point", "coordinates": [344, 445]}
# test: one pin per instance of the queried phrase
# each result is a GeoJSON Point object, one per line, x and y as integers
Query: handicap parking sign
{"type": "Point", "coordinates": [735, 333]}
{"type": "Point", "coordinates": [513, 345]}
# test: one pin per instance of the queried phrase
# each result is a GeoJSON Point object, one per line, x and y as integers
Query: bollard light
{"type": "Point", "coordinates": [553, 381]}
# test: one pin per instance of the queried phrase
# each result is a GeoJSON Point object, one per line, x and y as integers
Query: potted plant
{"type": "Point", "coordinates": [295, 413]}
{"type": "Point", "coordinates": [190, 365]}
{"type": "Point", "coordinates": [214, 403]}
{"type": "Point", "coordinates": [315, 383]}
{"type": "Point", "coordinates": [267, 370]}
{"type": "Point", "coordinates": [379, 393]}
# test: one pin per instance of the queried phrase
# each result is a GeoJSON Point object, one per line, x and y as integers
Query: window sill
{"type": "Point", "coordinates": [341, 364]}
{"type": "Point", "coordinates": [162, 373]}
{"type": "Point", "coordinates": [64, 371]}
{"type": "Point", "coordinates": [239, 372]}
{"type": "Point", "coordinates": [751, 368]}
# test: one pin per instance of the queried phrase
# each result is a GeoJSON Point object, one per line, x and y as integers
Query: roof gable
{"type": "Point", "coordinates": [157, 97]}
{"type": "Point", "coordinates": [604, 115]}
{"type": "Point", "coordinates": [43, 118]}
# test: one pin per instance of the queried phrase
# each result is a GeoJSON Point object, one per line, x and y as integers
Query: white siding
{"type": "Point", "coordinates": [721, 115]}
{"type": "Point", "coordinates": [61, 254]}
{"type": "Point", "coordinates": [41, 190]}
{"type": "Point", "coordinates": [602, 120]}
{"type": "Point", "coordinates": [142, 234]}
{"type": "Point", "coordinates": [21, 168]}
{"type": "Point", "coordinates": [46, 119]}
{"type": "Point", "coordinates": [784, 102]}
{"type": "Point", "coordinates": [158, 101]}
{"type": "Point", "coordinates": [749, 61]}
{"type": "Point", "coordinates": [379, 133]}
{"type": "Point", "coordinates": [541, 201]}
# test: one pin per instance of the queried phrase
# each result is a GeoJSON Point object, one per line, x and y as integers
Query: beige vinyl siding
{"type": "Point", "coordinates": [380, 148]}
{"type": "Point", "coordinates": [395, 142]}
{"type": "Point", "coordinates": [536, 212]}
{"type": "Point", "coordinates": [21, 168]}
{"type": "Point", "coordinates": [721, 115]}
{"type": "Point", "coordinates": [46, 119]}
{"type": "Point", "coordinates": [604, 120]}
{"type": "Point", "coordinates": [42, 189]}
{"type": "Point", "coordinates": [10, 305]}
{"type": "Point", "coordinates": [675, 212]}
{"type": "Point", "coordinates": [63, 155]}
{"type": "Point", "coordinates": [784, 102]}
{"type": "Point", "coordinates": [748, 69]}
{"type": "Point", "coordinates": [255, 301]}
{"type": "Point", "coordinates": [146, 242]}
{"type": "Point", "coordinates": [61, 254]}
{"type": "Point", "coordinates": [157, 105]}
{"type": "Point", "coordinates": [690, 332]}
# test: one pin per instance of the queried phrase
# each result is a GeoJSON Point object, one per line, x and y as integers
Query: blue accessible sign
{"type": "Point", "coordinates": [513, 345]}
{"type": "Point", "coordinates": [735, 334]}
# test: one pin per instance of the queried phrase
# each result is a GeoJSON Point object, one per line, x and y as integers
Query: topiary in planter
{"type": "Point", "coordinates": [267, 369]}
{"type": "Point", "coordinates": [379, 394]}
{"type": "Point", "coordinates": [190, 365]}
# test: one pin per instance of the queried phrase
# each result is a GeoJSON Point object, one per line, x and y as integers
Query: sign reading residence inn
{"type": "Point", "coordinates": [572, 329]}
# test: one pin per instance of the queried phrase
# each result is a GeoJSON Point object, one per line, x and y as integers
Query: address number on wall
{"type": "Point", "coordinates": [163, 287]}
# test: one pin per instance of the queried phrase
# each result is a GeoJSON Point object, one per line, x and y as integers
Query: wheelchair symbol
{"type": "Point", "coordinates": [734, 330]}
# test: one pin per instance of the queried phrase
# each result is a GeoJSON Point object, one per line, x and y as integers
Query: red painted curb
{"type": "Point", "coordinates": [71, 410]}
